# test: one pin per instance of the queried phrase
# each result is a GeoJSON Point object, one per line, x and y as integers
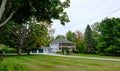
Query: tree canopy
{"type": "Point", "coordinates": [71, 36]}
{"type": "Point", "coordinates": [26, 36]}
{"type": "Point", "coordinates": [22, 10]}
{"type": "Point", "coordinates": [59, 36]}
{"type": "Point", "coordinates": [109, 37]}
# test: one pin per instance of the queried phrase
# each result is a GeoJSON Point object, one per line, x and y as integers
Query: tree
{"type": "Point", "coordinates": [22, 10]}
{"type": "Point", "coordinates": [95, 34]}
{"type": "Point", "coordinates": [16, 35]}
{"type": "Point", "coordinates": [38, 34]}
{"type": "Point", "coordinates": [6, 35]}
{"type": "Point", "coordinates": [59, 36]}
{"type": "Point", "coordinates": [79, 35]}
{"type": "Point", "coordinates": [88, 40]}
{"type": "Point", "coordinates": [71, 36]}
{"type": "Point", "coordinates": [65, 51]}
{"type": "Point", "coordinates": [79, 41]}
{"type": "Point", "coordinates": [109, 37]}
{"type": "Point", "coordinates": [26, 36]}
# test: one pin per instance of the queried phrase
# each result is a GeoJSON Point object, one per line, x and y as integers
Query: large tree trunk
{"type": "Point", "coordinates": [19, 51]}
{"type": "Point", "coordinates": [28, 52]}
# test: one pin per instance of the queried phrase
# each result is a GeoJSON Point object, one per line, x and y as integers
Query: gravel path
{"type": "Point", "coordinates": [85, 57]}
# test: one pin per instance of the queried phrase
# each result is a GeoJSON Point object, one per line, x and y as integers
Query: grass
{"type": "Point", "coordinates": [97, 55]}
{"type": "Point", "coordinates": [54, 63]}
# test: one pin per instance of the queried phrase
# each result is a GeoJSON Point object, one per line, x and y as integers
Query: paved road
{"type": "Point", "coordinates": [96, 58]}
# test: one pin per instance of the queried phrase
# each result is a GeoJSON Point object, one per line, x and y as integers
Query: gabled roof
{"type": "Point", "coordinates": [61, 40]}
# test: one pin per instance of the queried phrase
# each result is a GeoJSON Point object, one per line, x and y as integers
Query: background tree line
{"type": "Point", "coordinates": [100, 38]}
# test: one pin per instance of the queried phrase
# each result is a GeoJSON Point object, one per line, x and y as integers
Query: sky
{"type": "Point", "coordinates": [84, 12]}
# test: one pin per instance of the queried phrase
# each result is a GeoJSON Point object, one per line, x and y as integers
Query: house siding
{"type": "Point", "coordinates": [55, 47]}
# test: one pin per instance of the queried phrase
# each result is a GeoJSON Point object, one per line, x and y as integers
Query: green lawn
{"type": "Point", "coordinates": [97, 55]}
{"type": "Point", "coordinates": [52, 63]}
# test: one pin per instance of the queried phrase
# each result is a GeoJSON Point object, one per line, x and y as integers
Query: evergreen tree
{"type": "Point", "coordinates": [88, 40]}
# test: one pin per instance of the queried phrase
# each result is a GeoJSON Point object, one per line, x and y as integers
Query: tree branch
{"type": "Point", "coordinates": [27, 43]}
{"type": "Point", "coordinates": [2, 8]}
{"type": "Point", "coordinates": [7, 19]}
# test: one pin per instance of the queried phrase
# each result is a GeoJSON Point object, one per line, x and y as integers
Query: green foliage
{"type": "Point", "coordinates": [76, 51]}
{"type": "Point", "coordinates": [71, 36]}
{"type": "Point", "coordinates": [41, 9]}
{"type": "Point", "coordinates": [77, 38]}
{"type": "Point", "coordinates": [20, 33]}
{"type": "Point", "coordinates": [88, 41]}
{"type": "Point", "coordinates": [80, 46]}
{"type": "Point", "coordinates": [65, 51]}
{"type": "Point", "coordinates": [59, 52]}
{"type": "Point", "coordinates": [26, 36]}
{"type": "Point", "coordinates": [95, 34]}
{"type": "Point", "coordinates": [7, 49]}
{"type": "Point", "coordinates": [38, 32]}
{"type": "Point", "coordinates": [38, 36]}
{"type": "Point", "coordinates": [59, 36]}
{"type": "Point", "coordinates": [109, 37]}
{"type": "Point", "coordinates": [7, 35]}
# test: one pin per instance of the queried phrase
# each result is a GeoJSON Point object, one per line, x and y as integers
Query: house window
{"type": "Point", "coordinates": [52, 49]}
{"type": "Point", "coordinates": [73, 48]}
{"type": "Point", "coordinates": [60, 48]}
{"type": "Point", "coordinates": [34, 51]}
{"type": "Point", "coordinates": [40, 50]}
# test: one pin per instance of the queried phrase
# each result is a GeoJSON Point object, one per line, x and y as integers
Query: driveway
{"type": "Point", "coordinates": [85, 57]}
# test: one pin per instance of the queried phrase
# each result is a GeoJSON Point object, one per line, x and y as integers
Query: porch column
{"type": "Point", "coordinates": [37, 51]}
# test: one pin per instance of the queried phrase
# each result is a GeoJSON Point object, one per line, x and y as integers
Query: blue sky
{"type": "Point", "coordinates": [83, 12]}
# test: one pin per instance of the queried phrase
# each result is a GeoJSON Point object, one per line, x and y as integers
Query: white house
{"type": "Point", "coordinates": [55, 46]}
{"type": "Point", "coordinates": [40, 50]}
{"type": "Point", "coordinates": [60, 43]}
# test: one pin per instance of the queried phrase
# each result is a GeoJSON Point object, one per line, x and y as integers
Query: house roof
{"type": "Point", "coordinates": [61, 40]}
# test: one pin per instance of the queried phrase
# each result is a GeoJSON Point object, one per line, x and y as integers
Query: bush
{"type": "Point", "coordinates": [7, 49]}
{"type": "Point", "coordinates": [76, 51]}
{"type": "Point", "coordinates": [112, 50]}
{"type": "Point", "coordinates": [59, 52]}
{"type": "Point", "coordinates": [79, 47]}
{"type": "Point", "coordinates": [65, 51]}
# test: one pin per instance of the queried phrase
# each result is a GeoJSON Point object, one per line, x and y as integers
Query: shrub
{"type": "Point", "coordinates": [80, 47]}
{"type": "Point", "coordinates": [7, 49]}
{"type": "Point", "coordinates": [59, 52]}
{"type": "Point", "coordinates": [76, 51]}
{"type": "Point", "coordinates": [65, 51]}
